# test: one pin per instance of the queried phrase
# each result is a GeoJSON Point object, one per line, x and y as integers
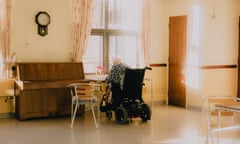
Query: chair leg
{"type": "Point", "coordinates": [208, 137]}
{"type": "Point", "coordinates": [214, 137]}
{"type": "Point", "coordinates": [72, 108]}
{"type": "Point", "coordinates": [74, 115]}
{"type": "Point", "coordinates": [94, 117]}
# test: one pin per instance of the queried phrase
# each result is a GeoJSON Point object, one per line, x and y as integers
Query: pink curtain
{"type": "Point", "coordinates": [5, 51]}
{"type": "Point", "coordinates": [145, 30]}
{"type": "Point", "coordinates": [82, 22]}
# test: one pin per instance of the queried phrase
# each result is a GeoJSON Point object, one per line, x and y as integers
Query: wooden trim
{"type": "Point", "coordinates": [218, 66]}
{"type": "Point", "coordinates": [201, 67]}
{"type": "Point", "coordinates": [158, 65]}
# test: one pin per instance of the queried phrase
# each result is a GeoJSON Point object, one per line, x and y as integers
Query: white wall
{"type": "Point", "coordinates": [157, 55]}
{"type": "Point", "coordinates": [218, 45]}
{"type": "Point", "coordinates": [25, 41]}
{"type": "Point", "coordinates": [29, 46]}
{"type": "Point", "coordinates": [218, 40]}
{"type": "Point", "coordinates": [158, 49]}
{"type": "Point", "coordinates": [219, 32]}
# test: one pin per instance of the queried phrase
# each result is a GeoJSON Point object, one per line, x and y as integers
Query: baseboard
{"type": "Point", "coordinates": [192, 107]}
{"type": "Point", "coordinates": [7, 115]}
{"type": "Point", "coordinates": [159, 102]}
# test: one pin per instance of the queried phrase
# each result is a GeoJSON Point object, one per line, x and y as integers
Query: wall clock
{"type": "Point", "coordinates": [43, 20]}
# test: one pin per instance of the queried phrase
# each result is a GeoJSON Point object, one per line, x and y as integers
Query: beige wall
{"type": "Point", "coordinates": [218, 43]}
{"type": "Point", "coordinates": [155, 88]}
{"type": "Point", "coordinates": [158, 50]}
{"type": "Point", "coordinates": [158, 54]}
{"type": "Point", "coordinates": [28, 45]}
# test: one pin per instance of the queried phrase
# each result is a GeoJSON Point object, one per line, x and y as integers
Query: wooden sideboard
{"type": "Point", "coordinates": [42, 88]}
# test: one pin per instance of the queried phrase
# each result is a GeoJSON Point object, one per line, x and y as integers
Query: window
{"type": "Point", "coordinates": [114, 33]}
{"type": "Point", "coordinates": [94, 53]}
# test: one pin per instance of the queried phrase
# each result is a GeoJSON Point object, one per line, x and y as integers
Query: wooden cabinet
{"type": "Point", "coordinates": [43, 103]}
{"type": "Point", "coordinates": [42, 89]}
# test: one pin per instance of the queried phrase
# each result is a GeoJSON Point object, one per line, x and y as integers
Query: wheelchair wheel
{"type": "Point", "coordinates": [145, 112]}
{"type": "Point", "coordinates": [109, 114]}
{"type": "Point", "coordinates": [103, 103]}
{"type": "Point", "coordinates": [121, 115]}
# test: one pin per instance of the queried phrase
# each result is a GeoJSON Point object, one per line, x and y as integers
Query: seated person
{"type": "Point", "coordinates": [115, 78]}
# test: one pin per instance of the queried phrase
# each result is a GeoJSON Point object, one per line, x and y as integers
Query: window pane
{"type": "Point", "coordinates": [99, 15]}
{"type": "Point", "coordinates": [124, 47]}
{"type": "Point", "coordinates": [118, 21]}
{"type": "Point", "coordinates": [123, 14]}
{"type": "Point", "coordinates": [94, 54]}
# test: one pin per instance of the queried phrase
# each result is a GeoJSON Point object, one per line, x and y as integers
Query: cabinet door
{"type": "Point", "coordinates": [36, 103]}
{"type": "Point", "coordinates": [63, 101]}
{"type": "Point", "coordinates": [44, 103]}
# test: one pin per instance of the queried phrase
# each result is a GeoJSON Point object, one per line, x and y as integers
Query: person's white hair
{"type": "Point", "coordinates": [116, 61]}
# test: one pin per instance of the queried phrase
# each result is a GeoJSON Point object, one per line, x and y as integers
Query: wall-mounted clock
{"type": "Point", "coordinates": [43, 20]}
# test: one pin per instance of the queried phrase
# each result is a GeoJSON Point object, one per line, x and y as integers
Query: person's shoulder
{"type": "Point", "coordinates": [125, 65]}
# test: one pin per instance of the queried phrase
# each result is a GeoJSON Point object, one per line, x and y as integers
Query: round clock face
{"type": "Point", "coordinates": [43, 18]}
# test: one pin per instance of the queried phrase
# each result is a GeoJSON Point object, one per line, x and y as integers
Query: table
{"type": "Point", "coordinates": [97, 78]}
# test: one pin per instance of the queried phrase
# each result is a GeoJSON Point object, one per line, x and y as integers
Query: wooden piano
{"type": "Point", "coordinates": [42, 88]}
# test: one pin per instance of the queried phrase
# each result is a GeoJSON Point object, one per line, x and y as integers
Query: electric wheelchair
{"type": "Point", "coordinates": [129, 104]}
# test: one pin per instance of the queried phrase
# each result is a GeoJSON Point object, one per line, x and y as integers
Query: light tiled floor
{"type": "Point", "coordinates": [169, 125]}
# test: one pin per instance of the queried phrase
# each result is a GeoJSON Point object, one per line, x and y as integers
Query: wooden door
{"type": "Point", "coordinates": [177, 60]}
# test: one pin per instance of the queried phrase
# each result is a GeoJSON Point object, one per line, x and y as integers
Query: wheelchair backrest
{"type": "Point", "coordinates": [133, 82]}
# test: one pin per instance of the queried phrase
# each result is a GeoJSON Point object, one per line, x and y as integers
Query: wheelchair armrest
{"type": "Point", "coordinates": [148, 68]}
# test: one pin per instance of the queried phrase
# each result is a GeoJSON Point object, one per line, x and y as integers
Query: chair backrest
{"type": "Point", "coordinates": [85, 91]}
{"type": "Point", "coordinates": [133, 82]}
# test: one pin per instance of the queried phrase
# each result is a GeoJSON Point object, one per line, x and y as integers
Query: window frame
{"type": "Point", "coordinates": [106, 33]}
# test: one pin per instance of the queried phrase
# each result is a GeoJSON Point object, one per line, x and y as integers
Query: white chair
{"type": "Point", "coordinates": [218, 120]}
{"type": "Point", "coordinates": [85, 93]}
